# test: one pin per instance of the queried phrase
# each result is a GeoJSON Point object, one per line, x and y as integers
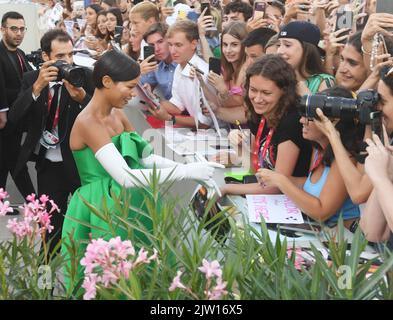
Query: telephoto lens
{"type": "Point", "coordinates": [73, 74]}
{"type": "Point", "coordinates": [339, 107]}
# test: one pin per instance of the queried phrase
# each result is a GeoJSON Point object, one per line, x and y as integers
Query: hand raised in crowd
{"type": "Point", "coordinates": [47, 74]}
{"type": "Point", "coordinates": [217, 81]}
{"type": "Point", "coordinates": [204, 22]}
{"type": "Point", "coordinates": [297, 7]}
{"type": "Point", "coordinates": [256, 23]}
{"type": "Point", "coordinates": [377, 23]}
{"type": "Point", "coordinates": [76, 94]}
{"type": "Point", "coordinates": [334, 42]}
{"type": "Point", "coordinates": [379, 162]}
{"type": "Point", "coordinates": [91, 42]}
{"type": "Point", "coordinates": [331, 6]}
{"type": "Point", "coordinates": [147, 66]}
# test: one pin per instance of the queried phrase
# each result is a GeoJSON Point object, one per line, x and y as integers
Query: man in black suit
{"type": "Point", "coordinates": [12, 65]}
{"type": "Point", "coordinates": [50, 107]}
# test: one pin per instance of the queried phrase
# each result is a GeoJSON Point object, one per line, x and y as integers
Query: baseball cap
{"type": "Point", "coordinates": [303, 31]}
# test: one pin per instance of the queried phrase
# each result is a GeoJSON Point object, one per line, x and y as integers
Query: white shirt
{"type": "Point", "coordinates": [186, 90]}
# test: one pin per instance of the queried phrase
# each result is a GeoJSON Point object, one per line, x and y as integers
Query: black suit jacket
{"type": "Point", "coordinates": [11, 74]}
{"type": "Point", "coordinates": [35, 114]}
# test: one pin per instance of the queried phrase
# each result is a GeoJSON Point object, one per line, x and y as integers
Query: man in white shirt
{"type": "Point", "coordinates": [183, 39]}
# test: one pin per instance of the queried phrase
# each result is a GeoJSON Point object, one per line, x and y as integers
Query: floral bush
{"type": "Point", "coordinates": [184, 259]}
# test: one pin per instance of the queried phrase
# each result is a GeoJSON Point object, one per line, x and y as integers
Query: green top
{"type": "Point", "coordinates": [131, 146]}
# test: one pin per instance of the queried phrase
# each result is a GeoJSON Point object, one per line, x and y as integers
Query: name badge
{"type": "Point", "coordinates": [49, 140]}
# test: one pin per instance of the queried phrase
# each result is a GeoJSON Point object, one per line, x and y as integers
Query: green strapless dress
{"type": "Point", "coordinates": [97, 186]}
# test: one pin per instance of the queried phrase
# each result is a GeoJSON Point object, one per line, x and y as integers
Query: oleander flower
{"type": "Point", "coordinates": [211, 268]}
{"type": "Point", "coordinates": [176, 283]}
{"type": "Point", "coordinates": [106, 262]}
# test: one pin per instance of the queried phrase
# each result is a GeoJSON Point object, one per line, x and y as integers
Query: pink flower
{"type": "Point", "coordinates": [210, 269]}
{"type": "Point", "coordinates": [54, 207]}
{"type": "Point", "coordinates": [142, 257]}
{"type": "Point", "coordinates": [89, 284]}
{"type": "Point", "coordinates": [176, 283]}
{"type": "Point", "coordinates": [5, 208]}
{"type": "Point", "coordinates": [218, 291]}
{"type": "Point", "coordinates": [3, 194]}
{"type": "Point", "coordinates": [31, 197]}
{"type": "Point", "coordinates": [44, 199]}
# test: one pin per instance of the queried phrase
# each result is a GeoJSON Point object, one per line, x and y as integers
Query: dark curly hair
{"type": "Point", "coordinates": [276, 69]}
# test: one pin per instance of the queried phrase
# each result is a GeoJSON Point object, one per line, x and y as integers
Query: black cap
{"type": "Point", "coordinates": [301, 30]}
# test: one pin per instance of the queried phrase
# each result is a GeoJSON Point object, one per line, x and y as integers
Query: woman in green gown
{"type": "Point", "coordinates": [109, 154]}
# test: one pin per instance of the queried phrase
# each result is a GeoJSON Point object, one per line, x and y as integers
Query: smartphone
{"type": "Point", "coordinates": [344, 20]}
{"type": "Point", "coordinates": [215, 65]}
{"type": "Point", "coordinates": [147, 52]}
{"type": "Point", "coordinates": [206, 5]}
{"type": "Point", "coordinates": [376, 124]}
{"type": "Point", "coordinates": [259, 10]}
{"type": "Point", "coordinates": [385, 6]}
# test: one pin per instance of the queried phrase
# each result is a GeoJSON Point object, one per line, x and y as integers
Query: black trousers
{"type": "Point", "coordinates": [53, 180]}
{"type": "Point", "coordinates": [9, 151]}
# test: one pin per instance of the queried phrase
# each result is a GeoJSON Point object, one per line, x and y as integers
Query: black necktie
{"type": "Point", "coordinates": [53, 107]}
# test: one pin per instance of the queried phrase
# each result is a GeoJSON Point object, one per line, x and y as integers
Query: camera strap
{"type": "Point", "coordinates": [255, 161]}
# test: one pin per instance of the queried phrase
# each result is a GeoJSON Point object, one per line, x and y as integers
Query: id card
{"type": "Point", "coordinates": [49, 140]}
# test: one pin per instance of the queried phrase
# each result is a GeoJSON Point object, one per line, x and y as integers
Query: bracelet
{"type": "Point", "coordinates": [366, 52]}
{"type": "Point", "coordinates": [173, 119]}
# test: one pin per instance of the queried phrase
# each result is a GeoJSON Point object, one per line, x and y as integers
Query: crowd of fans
{"type": "Point", "coordinates": [330, 162]}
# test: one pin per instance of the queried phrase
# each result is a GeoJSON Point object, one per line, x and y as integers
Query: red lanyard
{"type": "Point", "coordinates": [56, 119]}
{"type": "Point", "coordinates": [255, 163]}
{"type": "Point", "coordinates": [20, 62]}
{"type": "Point", "coordinates": [317, 161]}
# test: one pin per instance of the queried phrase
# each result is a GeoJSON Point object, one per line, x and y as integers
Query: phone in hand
{"type": "Point", "coordinates": [147, 52]}
{"type": "Point", "coordinates": [376, 124]}
{"type": "Point", "coordinates": [206, 5]}
{"type": "Point", "coordinates": [344, 20]}
{"type": "Point", "coordinates": [215, 65]}
{"type": "Point", "coordinates": [259, 10]}
{"type": "Point", "coordinates": [385, 6]}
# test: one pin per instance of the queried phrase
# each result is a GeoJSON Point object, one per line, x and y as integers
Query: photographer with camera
{"type": "Point", "coordinates": [322, 195]}
{"type": "Point", "coordinates": [13, 64]}
{"type": "Point", "coordinates": [50, 99]}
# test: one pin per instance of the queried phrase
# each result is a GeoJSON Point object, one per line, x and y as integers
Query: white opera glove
{"type": "Point", "coordinates": [158, 161]}
{"type": "Point", "coordinates": [113, 162]}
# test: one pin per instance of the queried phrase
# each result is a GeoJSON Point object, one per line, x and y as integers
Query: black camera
{"type": "Point", "coordinates": [35, 58]}
{"type": "Point", "coordinates": [338, 107]}
{"type": "Point", "coordinates": [363, 108]}
{"type": "Point", "coordinates": [73, 74]}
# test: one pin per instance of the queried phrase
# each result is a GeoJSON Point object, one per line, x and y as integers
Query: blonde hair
{"type": "Point", "coordinates": [146, 10]}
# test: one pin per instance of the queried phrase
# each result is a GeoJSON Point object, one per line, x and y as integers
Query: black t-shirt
{"type": "Point", "coordinates": [290, 129]}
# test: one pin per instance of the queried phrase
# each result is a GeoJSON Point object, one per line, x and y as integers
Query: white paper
{"type": "Point", "coordinates": [84, 61]}
{"type": "Point", "coordinates": [273, 208]}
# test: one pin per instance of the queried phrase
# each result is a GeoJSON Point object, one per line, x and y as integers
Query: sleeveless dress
{"type": "Point", "coordinates": [97, 188]}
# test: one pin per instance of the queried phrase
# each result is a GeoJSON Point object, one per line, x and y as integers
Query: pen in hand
{"type": "Point", "coordinates": [242, 132]}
